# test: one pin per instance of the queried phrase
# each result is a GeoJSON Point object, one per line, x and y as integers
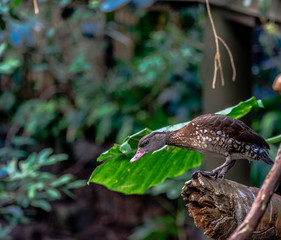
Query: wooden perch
{"type": "Point", "coordinates": [251, 221]}
{"type": "Point", "coordinates": [219, 206]}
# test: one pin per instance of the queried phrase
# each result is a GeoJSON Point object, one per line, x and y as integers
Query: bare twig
{"type": "Point", "coordinates": [36, 9]}
{"type": "Point", "coordinates": [231, 58]}
{"type": "Point", "coordinates": [246, 229]}
{"type": "Point", "coordinates": [217, 59]}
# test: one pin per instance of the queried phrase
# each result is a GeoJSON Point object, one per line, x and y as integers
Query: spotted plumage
{"type": "Point", "coordinates": [211, 134]}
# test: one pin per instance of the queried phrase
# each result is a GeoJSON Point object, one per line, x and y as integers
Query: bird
{"type": "Point", "coordinates": [211, 134]}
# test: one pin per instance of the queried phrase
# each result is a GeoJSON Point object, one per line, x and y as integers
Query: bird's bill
{"type": "Point", "coordinates": [138, 155]}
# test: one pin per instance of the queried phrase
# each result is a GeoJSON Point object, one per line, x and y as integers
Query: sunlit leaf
{"type": "Point", "coordinates": [242, 108]}
{"type": "Point", "coordinates": [9, 66]}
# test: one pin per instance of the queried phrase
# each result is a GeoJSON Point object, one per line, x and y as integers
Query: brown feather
{"type": "Point", "coordinates": [234, 127]}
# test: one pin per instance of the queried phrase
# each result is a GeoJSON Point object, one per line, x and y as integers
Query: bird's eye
{"type": "Point", "coordinates": [144, 143]}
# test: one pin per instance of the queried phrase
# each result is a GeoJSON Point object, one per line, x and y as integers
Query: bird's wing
{"type": "Point", "coordinates": [235, 128]}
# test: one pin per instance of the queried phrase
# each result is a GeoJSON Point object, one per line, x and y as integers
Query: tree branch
{"type": "Point", "coordinates": [246, 229]}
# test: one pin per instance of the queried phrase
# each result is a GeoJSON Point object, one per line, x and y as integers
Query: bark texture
{"type": "Point", "coordinates": [219, 206]}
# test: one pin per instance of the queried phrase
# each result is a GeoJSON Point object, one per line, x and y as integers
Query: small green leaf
{"type": "Point", "coordinates": [43, 155]}
{"type": "Point", "coordinates": [20, 141]}
{"type": "Point", "coordinates": [93, 3]}
{"type": "Point", "coordinates": [3, 47]}
{"type": "Point", "coordinates": [54, 193]}
{"type": "Point", "coordinates": [76, 184]}
{"type": "Point", "coordinates": [112, 152]}
{"type": "Point", "coordinates": [68, 192]}
{"type": "Point", "coordinates": [57, 158]}
{"type": "Point", "coordinates": [8, 66]}
{"type": "Point", "coordinates": [242, 108]}
{"type": "Point", "coordinates": [126, 149]}
{"type": "Point", "coordinates": [31, 192]}
{"type": "Point", "coordinates": [62, 180]}
{"type": "Point", "coordinates": [44, 205]}
{"type": "Point", "coordinates": [14, 210]}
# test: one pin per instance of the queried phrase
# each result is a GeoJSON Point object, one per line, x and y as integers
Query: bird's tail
{"type": "Point", "coordinates": [264, 156]}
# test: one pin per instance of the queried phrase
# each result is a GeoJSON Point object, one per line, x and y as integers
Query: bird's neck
{"type": "Point", "coordinates": [178, 139]}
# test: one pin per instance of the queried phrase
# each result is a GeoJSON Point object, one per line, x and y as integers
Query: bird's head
{"type": "Point", "coordinates": [150, 143]}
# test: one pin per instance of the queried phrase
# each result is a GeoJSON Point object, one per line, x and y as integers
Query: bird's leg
{"type": "Point", "coordinates": [226, 169]}
{"type": "Point", "coordinates": [217, 171]}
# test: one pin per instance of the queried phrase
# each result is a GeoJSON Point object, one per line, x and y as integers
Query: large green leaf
{"type": "Point", "coordinates": [117, 174]}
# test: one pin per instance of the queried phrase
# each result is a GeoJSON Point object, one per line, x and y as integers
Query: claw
{"type": "Point", "coordinates": [195, 174]}
{"type": "Point", "coordinates": [221, 175]}
{"type": "Point", "coordinates": [205, 173]}
{"type": "Point", "coordinates": [215, 174]}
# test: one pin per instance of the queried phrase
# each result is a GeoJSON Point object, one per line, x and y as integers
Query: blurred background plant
{"type": "Point", "coordinates": [24, 186]}
{"type": "Point", "coordinates": [266, 69]}
{"type": "Point", "coordinates": [56, 91]}
{"type": "Point", "coordinates": [78, 95]}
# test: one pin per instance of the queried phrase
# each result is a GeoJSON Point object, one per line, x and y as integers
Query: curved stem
{"type": "Point", "coordinates": [230, 56]}
{"type": "Point", "coordinates": [275, 139]}
{"type": "Point", "coordinates": [217, 56]}
{"type": "Point", "coordinates": [217, 59]}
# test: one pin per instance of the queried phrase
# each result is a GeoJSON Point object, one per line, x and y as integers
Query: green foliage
{"type": "Point", "coordinates": [8, 65]}
{"type": "Point", "coordinates": [171, 187]}
{"type": "Point", "coordinates": [158, 228]}
{"type": "Point", "coordinates": [35, 116]}
{"type": "Point", "coordinates": [269, 125]}
{"type": "Point", "coordinates": [52, 93]}
{"type": "Point", "coordinates": [160, 86]}
{"type": "Point", "coordinates": [171, 225]}
{"type": "Point", "coordinates": [117, 174]}
{"type": "Point", "coordinates": [24, 184]}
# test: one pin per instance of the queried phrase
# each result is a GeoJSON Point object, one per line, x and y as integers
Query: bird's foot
{"type": "Point", "coordinates": [222, 173]}
{"type": "Point", "coordinates": [215, 174]}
